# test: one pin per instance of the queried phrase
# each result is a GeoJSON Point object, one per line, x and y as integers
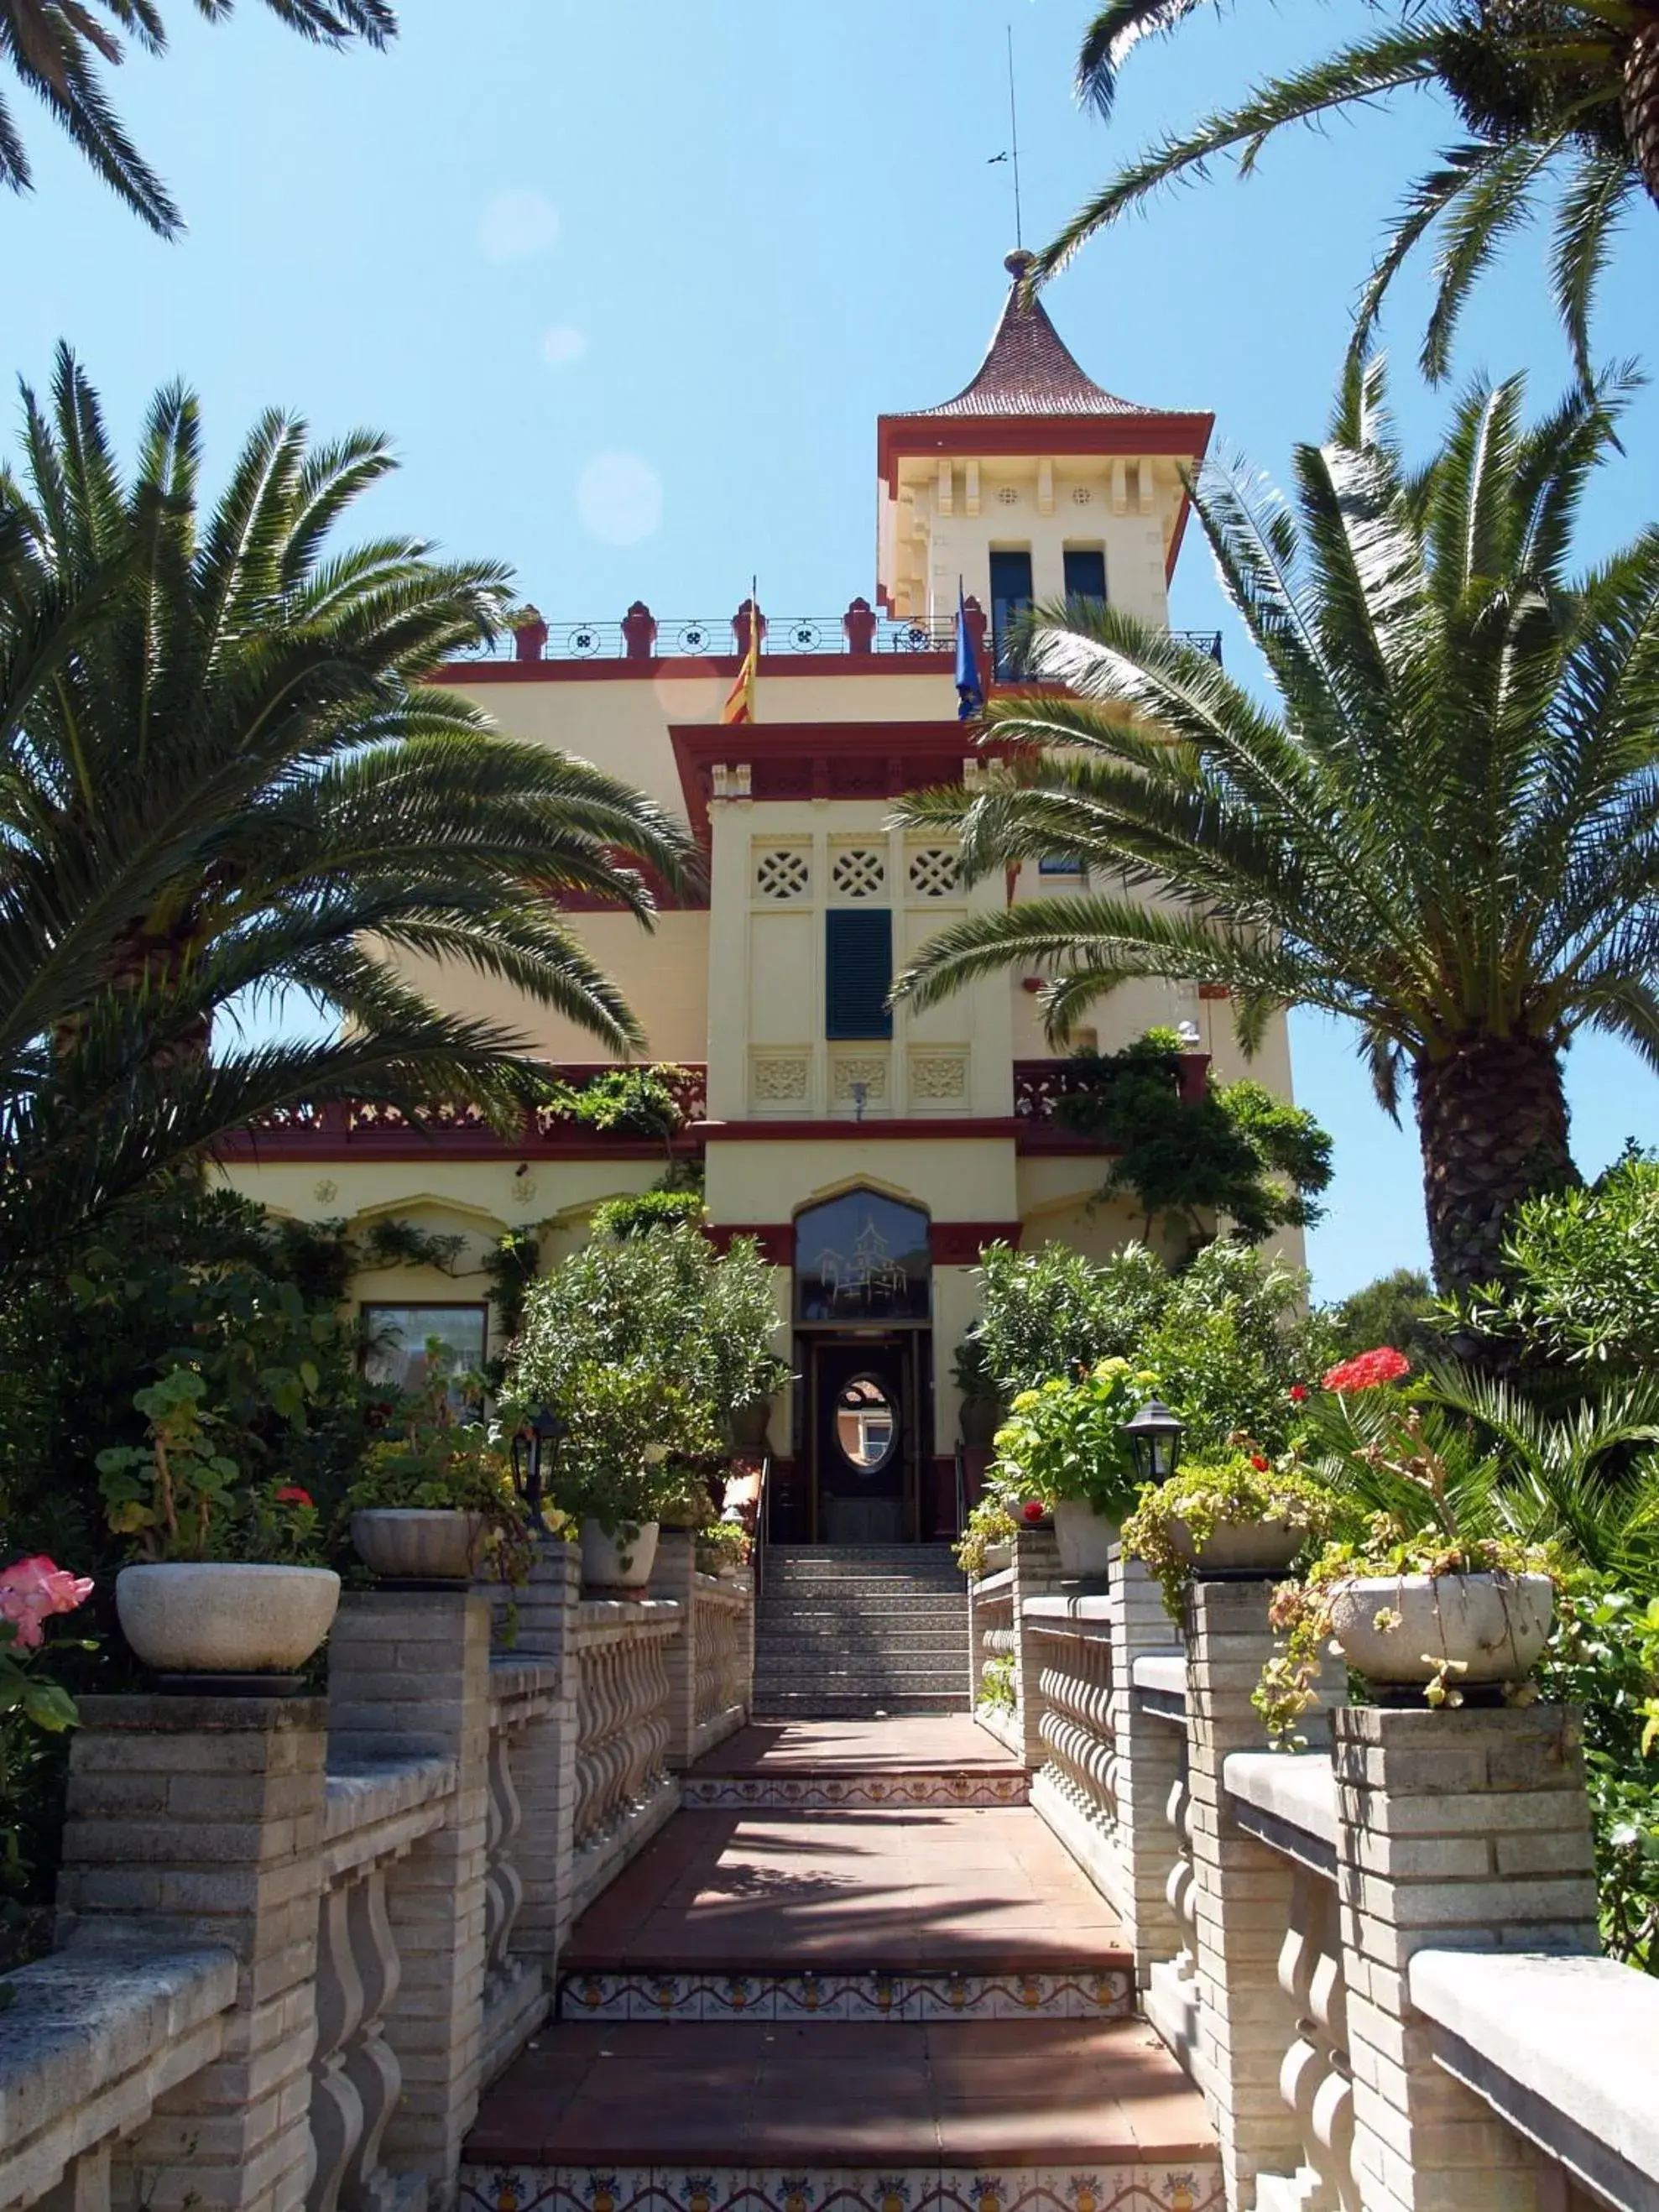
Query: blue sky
{"type": "Point", "coordinates": [628, 286]}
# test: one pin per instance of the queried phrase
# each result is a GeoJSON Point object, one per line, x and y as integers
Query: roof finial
{"type": "Point", "coordinates": [1018, 262]}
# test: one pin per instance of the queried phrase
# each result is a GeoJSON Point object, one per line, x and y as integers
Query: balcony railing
{"type": "Point", "coordinates": [860, 633]}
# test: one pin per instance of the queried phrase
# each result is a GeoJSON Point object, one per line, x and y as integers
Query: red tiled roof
{"type": "Point", "coordinates": [1028, 369]}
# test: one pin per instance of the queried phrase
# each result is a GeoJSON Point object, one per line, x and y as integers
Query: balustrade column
{"type": "Point", "coordinates": [1242, 1894]}
{"type": "Point", "coordinates": [1037, 1572]}
{"type": "Point", "coordinates": [544, 1755]}
{"type": "Point", "coordinates": [675, 1575]}
{"type": "Point", "coordinates": [1149, 1761]}
{"type": "Point", "coordinates": [1464, 1831]}
{"type": "Point", "coordinates": [198, 1820]}
{"type": "Point", "coordinates": [409, 1673]}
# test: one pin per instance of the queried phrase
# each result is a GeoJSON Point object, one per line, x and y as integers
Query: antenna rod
{"type": "Point", "coordinates": [1013, 139]}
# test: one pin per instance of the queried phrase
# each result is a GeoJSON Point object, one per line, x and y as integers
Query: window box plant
{"type": "Point", "coordinates": [1062, 1447]}
{"type": "Point", "coordinates": [1240, 1516]}
{"type": "Point", "coordinates": [1423, 1613]}
{"type": "Point", "coordinates": [225, 1594]}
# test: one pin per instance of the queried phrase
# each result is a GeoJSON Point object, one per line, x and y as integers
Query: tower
{"type": "Point", "coordinates": [1033, 483]}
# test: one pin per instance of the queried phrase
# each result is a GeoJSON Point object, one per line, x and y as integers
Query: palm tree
{"type": "Point", "coordinates": [55, 46]}
{"type": "Point", "coordinates": [1449, 832]}
{"type": "Point", "coordinates": [223, 772]}
{"type": "Point", "coordinates": [1558, 96]}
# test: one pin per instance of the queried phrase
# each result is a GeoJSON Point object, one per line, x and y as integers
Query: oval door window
{"type": "Point", "coordinates": [867, 1424]}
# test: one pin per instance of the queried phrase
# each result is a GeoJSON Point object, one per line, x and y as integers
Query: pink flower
{"type": "Point", "coordinates": [31, 1591]}
{"type": "Point", "coordinates": [291, 1494]}
{"type": "Point", "coordinates": [1370, 1369]}
{"type": "Point", "coordinates": [1298, 1392]}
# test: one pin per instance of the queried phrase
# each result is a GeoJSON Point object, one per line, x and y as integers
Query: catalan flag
{"type": "Point", "coordinates": [740, 700]}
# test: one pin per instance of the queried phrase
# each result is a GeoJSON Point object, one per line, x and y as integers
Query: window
{"type": "Point", "coordinates": [861, 1257]}
{"type": "Point", "coordinates": [1085, 573]}
{"type": "Point", "coordinates": [858, 970]}
{"type": "Point", "coordinates": [1010, 595]}
{"type": "Point", "coordinates": [1059, 864]}
{"type": "Point", "coordinates": [406, 1345]}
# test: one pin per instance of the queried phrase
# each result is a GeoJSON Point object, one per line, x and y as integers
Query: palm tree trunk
{"type": "Point", "coordinates": [1639, 100]}
{"type": "Point", "coordinates": [1491, 1117]}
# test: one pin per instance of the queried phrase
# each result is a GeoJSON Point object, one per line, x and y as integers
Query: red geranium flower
{"type": "Point", "coordinates": [1032, 1508]}
{"type": "Point", "coordinates": [291, 1494]}
{"type": "Point", "coordinates": [1259, 1462]}
{"type": "Point", "coordinates": [1298, 1392]}
{"type": "Point", "coordinates": [1370, 1369]}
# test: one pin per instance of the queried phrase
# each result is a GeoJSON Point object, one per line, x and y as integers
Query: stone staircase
{"type": "Point", "coordinates": [857, 1631]}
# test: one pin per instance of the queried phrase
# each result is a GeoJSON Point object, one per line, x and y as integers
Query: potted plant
{"type": "Point", "coordinates": [1422, 1612]}
{"type": "Point", "coordinates": [1062, 1447]}
{"type": "Point", "coordinates": [983, 1409]}
{"type": "Point", "coordinates": [435, 1501]}
{"type": "Point", "coordinates": [722, 1549]}
{"type": "Point", "coordinates": [747, 1422]}
{"type": "Point", "coordinates": [1241, 1516]}
{"type": "Point", "coordinates": [226, 1594]}
{"type": "Point", "coordinates": [986, 1545]}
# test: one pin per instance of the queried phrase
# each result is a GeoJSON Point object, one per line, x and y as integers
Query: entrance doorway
{"type": "Point", "coordinates": [867, 1414]}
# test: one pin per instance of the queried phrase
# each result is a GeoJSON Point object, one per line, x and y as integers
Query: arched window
{"type": "Point", "coordinates": [861, 1257]}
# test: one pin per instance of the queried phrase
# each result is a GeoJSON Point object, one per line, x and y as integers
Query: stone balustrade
{"type": "Point", "coordinates": [1377, 1957]}
{"type": "Point", "coordinates": [297, 1936]}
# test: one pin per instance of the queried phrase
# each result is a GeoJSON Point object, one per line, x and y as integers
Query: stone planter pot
{"type": "Point", "coordinates": [1239, 1550]}
{"type": "Point", "coordinates": [997, 1557]}
{"type": "Point", "coordinates": [979, 1421]}
{"type": "Point", "coordinates": [1085, 1538]}
{"type": "Point", "coordinates": [418, 1543]}
{"type": "Point", "coordinates": [608, 1565]}
{"type": "Point", "coordinates": [748, 1425]}
{"type": "Point", "coordinates": [1495, 1624]}
{"type": "Point", "coordinates": [233, 1628]}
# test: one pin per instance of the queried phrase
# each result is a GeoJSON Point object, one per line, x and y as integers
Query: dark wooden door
{"type": "Point", "coordinates": [864, 1441]}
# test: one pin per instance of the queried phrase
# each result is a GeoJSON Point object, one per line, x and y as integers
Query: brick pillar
{"type": "Point", "coordinates": [1465, 1831]}
{"type": "Point", "coordinates": [199, 1820]}
{"type": "Point", "coordinates": [409, 1673]}
{"type": "Point", "coordinates": [1242, 1891]}
{"type": "Point", "coordinates": [675, 1575]}
{"type": "Point", "coordinates": [1037, 1572]}
{"type": "Point", "coordinates": [1147, 1754]}
{"type": "Point", "coordinates": [544, 1755]}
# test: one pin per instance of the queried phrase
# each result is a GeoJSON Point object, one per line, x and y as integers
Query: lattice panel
{"type": "Point", "coordinates": [859, 871]}
{"type": "Point", "coordinates": [938, 1076]}
{"type": "Point", "coordinates": [778, 1078]}
{"type": "Point", "coordinates": [933, 871]}
{"type": "Point", "coordinates": [783, 874]}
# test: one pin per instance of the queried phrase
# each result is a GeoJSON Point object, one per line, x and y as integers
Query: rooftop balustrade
{"type": "Point", "coordinates": [860, 632]}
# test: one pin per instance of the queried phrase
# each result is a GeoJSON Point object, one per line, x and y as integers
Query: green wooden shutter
{"type": "Point", "coordinates": [858, 970]}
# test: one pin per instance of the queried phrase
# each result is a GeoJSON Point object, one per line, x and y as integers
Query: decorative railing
{"type": "Point", "coordinates": [89, 2046]}
{"type": "Point", "coordinates": [624, 1789]}
{"type": "Point", "coordinates": [1438, 1864]}
{"type": "Point", "coordinates": [374, 1812]}
{"type": "Point", "coordinates": [991, 1640]}
{"type": "Point", "coordinates": [300, 1933]}
{"type": "Point", "coordinates": [1041, 1085]}
{"type": "Point", "coordinates": [723, 1657]}
{"type": "Point", "coordinates": [860, 632]}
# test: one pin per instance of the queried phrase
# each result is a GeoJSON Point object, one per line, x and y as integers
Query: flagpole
{"type": "Point", "coordinates": [1013, 140]}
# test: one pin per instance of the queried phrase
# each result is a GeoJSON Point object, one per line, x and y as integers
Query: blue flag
{"type": "Point", "coordinates": [970, 692]}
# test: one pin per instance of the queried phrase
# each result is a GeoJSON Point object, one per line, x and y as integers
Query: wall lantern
{"type": "Point", "coordinates": [1154, 1440]}
{"type": "Point", "coordinates": [534, 1449]}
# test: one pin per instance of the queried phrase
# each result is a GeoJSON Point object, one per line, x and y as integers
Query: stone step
{"type": "Point", "coordinates": [923, 1667]}
{"type": "Point", "coordinates": [835, 1705]}
{"type": "Point", "coordinates": [1083, 1990]}
{"type": "Point", "coordinates": [922, 2114]}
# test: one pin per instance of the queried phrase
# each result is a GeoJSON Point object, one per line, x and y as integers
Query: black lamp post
{"type": "Point", "coordinates": [1154, 1438]}
{"type": "Point", "coordinates": [533, 1449]}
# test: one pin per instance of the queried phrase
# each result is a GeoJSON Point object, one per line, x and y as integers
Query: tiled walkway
{"type": "Point", "coordinates": [872, 1982]}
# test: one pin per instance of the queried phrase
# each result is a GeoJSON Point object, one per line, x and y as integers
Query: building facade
{"type": "Point", "coordinates": [873, 1152]}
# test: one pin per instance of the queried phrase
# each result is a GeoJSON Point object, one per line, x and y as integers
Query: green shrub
{"type": "Point", "coordinates": [1400, 1309]}
{"type": "Point", "coordinates": [1063, 1443]}
{"type": "Point", "coordinates": [647, 1212]}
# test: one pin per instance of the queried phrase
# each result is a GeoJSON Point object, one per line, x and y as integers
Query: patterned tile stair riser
{"type": "Point", "coordinates": [807, 1793]}
{"type": "Point", "coordinates": [1187, 2187]}
{"type": "Point", "coordinates": [1088, 1994]}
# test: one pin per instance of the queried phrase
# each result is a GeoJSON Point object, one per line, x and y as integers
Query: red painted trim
{"type": "Point", "coordinates": [959, 1243]}
{"type": "Point", "coordinates": [1020, 436]}
{"type": "Point", "coordinates": [324, 1148]}
{"type": "Point", "coordinates": [682, 668]}
{"type": "Point", "coordinates": [930, 1127]}
{"type": "Point", "coordinates": [821, 760]}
